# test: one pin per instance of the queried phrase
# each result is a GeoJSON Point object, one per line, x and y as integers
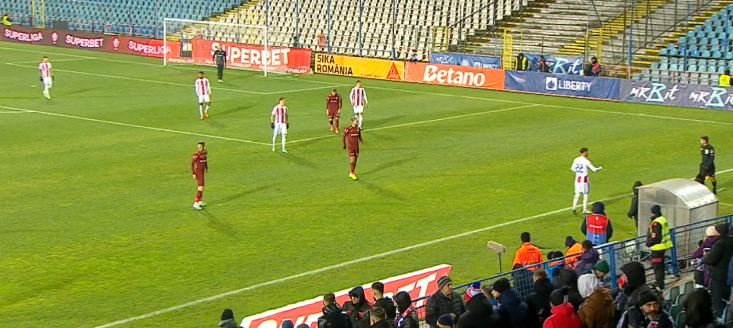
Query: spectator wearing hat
{"type": "Point", "coordinates": [357, 308]}
{"type": "Point", "coordinates": [718, 260]}
{"type": "Point", "coordinates": [510, 305]}
{"type": "Point", "coordinates": [385, 303]}
{"type": "Point", "coordinates": [406, 316]}
{"type": "Point", "coordinates": [702, 271]}
{"type": "Point", "coordinates": [527, 255]}
{"type": "Point", "coordinates": [333, 316]}
{"type": "Point", "coordinates": [447, 321]}
{"type": "Point", "coordinates": [648, 313]}
{"type": "Point", "coordinates": [634, 207]}
{"type": "Point", "coordinates": [659, 240]}
{"type": "Point", "coordinates": [563, 313]}
{"type": "Point", "coordinates": [573, 250]}
{"type": "Point", "coordinates": [588, 282]}
{"type": "Point", "coordinates": [698, 310]}
{"type": "Point", "coordinates": [597, 227]}
{"type": "Point", "coordinates": [598, 310]}
{"type": "Point", "coordinates": [379, 319]}
{"type": "Point", "coordinates": [444, 301]}
{"type": "Point", "coordinates": [538, 303]}
{"type": "Point", "coordinates": [227, 319]}
{"type": "Point", "coordinates": [472, 290]}
{"type": "Point", "coordinates": [588, 259]}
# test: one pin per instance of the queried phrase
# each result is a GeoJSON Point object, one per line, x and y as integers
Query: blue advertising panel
{"type": "Point", "coordinates": [474, 61]}
{"type": "Point", "coordinates": [675, 94]}
{"type": "Point", "coordinates": [558, 65]}
{"type": "Point", "coordinates": [563, 85]}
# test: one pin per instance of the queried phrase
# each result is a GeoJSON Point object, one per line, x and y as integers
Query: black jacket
{"type": "Point", "coordinates": [388, 305]}
{"type": "Point", "coordinates": [358, 313]}
{"type": "Point", "coordinates": [569, 278]}
{"type": "Point", "coordinates": [480, 314]}
{"type": "Point", "coordinates": [698, 310]}
{"type": "Point", "coordinates": [386, 323]}
{"type": "Point", "coordinates": [510, 306]}
{"type": "Point", "coordinates": [439, 304]}
{"type": "Point", "coordinates": [719, 257]}
{"type": "Point", "coordinates": [635, 285]}
{"type": "Point", "coordinates": [538, 303]}
{"type": "Point", "coordinates": [229, 323]}
{"type": "Point", "coordinates": [634, 208]}
{"type": "Point", "coordinates": [334, 317]}
{"type": "Point", "coordinates": [409, 321]}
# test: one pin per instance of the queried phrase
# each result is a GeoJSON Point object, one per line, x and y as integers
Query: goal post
{"type": "Point", "coordinates": [191, 42]}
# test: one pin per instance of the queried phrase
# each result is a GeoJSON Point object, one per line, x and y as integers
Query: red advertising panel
{"type": "Point", "coordinates": [109, 43]}
{"type": "Point", "coordinates": [248, 56]}
{"type": "Point", "coordinates": [418, 284]}
{"type": "Point", "coordinates": [460, 76]}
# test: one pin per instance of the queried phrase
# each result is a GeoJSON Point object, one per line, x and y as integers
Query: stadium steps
{"type": "Point", "coordinates": [175, 36]}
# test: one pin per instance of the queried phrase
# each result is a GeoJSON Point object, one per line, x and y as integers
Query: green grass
{"type": "Point", "coordinates": [97, 224]}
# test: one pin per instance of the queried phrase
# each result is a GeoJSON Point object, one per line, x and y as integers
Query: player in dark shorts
{"type": "Point", "coordinates": [707, 166]}
{"type": "Point", "coordinates": [333, 110]}
{"type": "Point", "coordinates": [199, 167]}
{"type": "Point", "coordinates": [351, 141]}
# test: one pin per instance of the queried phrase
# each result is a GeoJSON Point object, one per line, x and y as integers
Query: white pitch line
{"type": "Point", "coordinates": [307, 89]}
{"type": "Point", "coordinates": [142, 80]}
{"type": "Point", "coordinates": [425, 121]}
{"type": "Point", "coordinates": [55, 60]}
{"type": "Point", "coordinates": [133, 125]}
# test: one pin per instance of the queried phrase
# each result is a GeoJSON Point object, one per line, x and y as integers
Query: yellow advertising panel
{"type": "Point", "coordinates": [360, 67]}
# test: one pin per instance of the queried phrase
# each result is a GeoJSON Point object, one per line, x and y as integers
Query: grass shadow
{"type": "Point", "coordinates": [238, 195]}
{"type": "Point", "coordinates": [387, 165]}
{"type": "Point", "coordinates": [386, 193]}
{"type": "Point", "coordinates": [224, 228]}
{"type": "Point", "coordinates": [300, 161]}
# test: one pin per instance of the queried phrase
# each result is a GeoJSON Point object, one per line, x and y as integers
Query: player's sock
{"type": "Point", "coordinates": [585, 203]}
{"type": "Point", "coordinates": [352, 165]}
{"type": "Point", "coordinates": [360, 119]}
{"type": "Point", "coordinates": [575, 201]}
{"type": "Point", "coordinates": [274, 138]}
{"type": "Point", "coordinates": [336, 125]}
{"type": "Point", "coordinates": [207, 108]}
{"type": "Point", "coordinates": [201, 111]}
{"type": "Point", "coordinates": [282, 143]}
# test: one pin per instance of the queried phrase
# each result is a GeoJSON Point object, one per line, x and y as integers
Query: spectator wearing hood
{"type": "Point", "coordinates": [598, 310]}
{"type": "Point", "coordinates": [357, 308]}
{"type": "Point", "coordinates": [698, 310]}
{"type": "Point", "coordinates": [510, 305]}
{"type": "Point", "coordinates": [378, 318]}
{"type": "Point", "coordinates": [659, 240]}
{"type": "Point", "coordinates": [634, 282]}
{"type": "Point", "coordinates": [385, 303]}
{"type": "Point", "coordinates": [589, 282]}
{"type": "Point", "coordinates": [634, 208]}
{"type": "Point", "coordinates": [648, 313]}
{"type": "Point", "coordinates": [538, 303]}
{"type": "Point", "coordinates": [333, 315]}
{"type": "Point", "coordinates": [597, 227]}
{"type": "Point", "coordinates": [563, 313]}
{"type": "Point", "coordinates": [573, 251]}
{"type": "Point", "coordinates": [406, 316]}
{"type": "Point", "coordinates": [702, 271]}
{"type": "Point", "coordinates": [527, 255]}
{"type": "Point", "coordinates": [569, 278]}
{"type": "Point", "coordinates": [588, 259]}
{"type": "Point", "coordinates": [227, 319]}
{"type": "Point", "coordinates": [718, 260]}
{"type": "Point", "coordinates": [479, 314]}
{"type": "Point", "coordinates": [444, 301]}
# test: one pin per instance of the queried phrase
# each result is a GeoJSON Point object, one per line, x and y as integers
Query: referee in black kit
{"type": "Point", "coordinates": [220, 57]}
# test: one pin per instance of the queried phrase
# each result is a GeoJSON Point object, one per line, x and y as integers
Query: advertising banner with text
{"type": "Point", "coordinates": [674, 94]}
{"type": "Point", "coordinates": [419, 284]}
{"type": "Point", "coordinates": [369, 68]}
{"type": "Point", "coordinates": [459, 76]}
{"type": "Point", "coordinates": [81, 40]}
{"type": "Point", "coordinates": [557, 65]}
{"type": "Point", "coordinates": [251, 56]}
{"type": "Point", "coordinates": [475, 61]}
{"type": "Point", "coordinates": [563, 85]}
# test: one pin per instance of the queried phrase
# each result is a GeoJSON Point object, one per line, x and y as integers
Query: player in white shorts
{"type": "Point", "coordinates": [46, 76]}
{"type": "Point", "coordinates": [279, 123]}
{"type": "Point", "coordinates": [203, 91]}
{"type": "Point", "coordinates": [359, 100]}
{"type": "Point", "coordinates": [581, 166]}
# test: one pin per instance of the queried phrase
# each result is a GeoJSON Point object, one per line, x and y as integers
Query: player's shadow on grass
{"type": "Point", "coordinates": [222, 227]}
{"type": "Point", "coordinates": [387, 165]}
{"type": "Point", "coordinates": [234, 109]}
{"type": "Point", "coordinates": [301, 161]}
{"type": "Point", "coordinates": [386, 193]}
{"type": "Point", "coordinates": [238, 195]}
{"type": "Point", "coordinates": [378, 122]}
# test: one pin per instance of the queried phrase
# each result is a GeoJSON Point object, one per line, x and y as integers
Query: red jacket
{"type": "Point", "coordinates": [563, 316]}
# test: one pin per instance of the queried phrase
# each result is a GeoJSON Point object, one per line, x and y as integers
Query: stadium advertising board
{"type": "Point", "coordinates": [369, 68]}
{"type": "Point", "coordinates": [563, 85]}
{"type": "Point", "coordinates": [249, 56]}
{"type": "Point", "coordinates": [81, 40]}
{"type": "Point", "coordinates": [418, 284]}
{"type": "Point", "coordinates": [674, 94]}
{"type": "Point", "coordinates": [558, 65]}
{"type": "Point", "coordinates": [451, 75]}
{"type": "Point", "coordinates": [474, 61]}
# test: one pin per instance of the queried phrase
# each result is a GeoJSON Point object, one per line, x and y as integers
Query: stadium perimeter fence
{"type": "Point", "coordinates": [684, 238]}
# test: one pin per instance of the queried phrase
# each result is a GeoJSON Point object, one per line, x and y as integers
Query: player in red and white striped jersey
{"type": "Point", "coordinates": [279, 123]}
{"type": "Point", "coordinates": [203, 91]}
{"type": "Point", "coordinates": [46, 76]}
{"type": "Point", "coordinates": [359, 100]}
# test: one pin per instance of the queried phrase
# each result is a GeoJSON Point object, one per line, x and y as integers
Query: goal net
{"type": "Point", "coordinates": [193, 42]}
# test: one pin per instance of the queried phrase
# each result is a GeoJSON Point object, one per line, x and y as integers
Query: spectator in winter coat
{"type": "Point", "coordinates": [357, 308]}
{"type": "Point", "coordinates": [588, 259]}
{"type": "Point", "coordinates": [333, 315]}
{"type": "Point", "coordinates": [538, 303]}
{"type": "Point", "coordinates": [569, 278]}
{"type": "Point", "coordinates": [634, 208]}
{"type": "Point", "coordinates": [597, 227]}
{"type": "Point", "coordinates": [598, 311]}
{"type": "Point", "coordinates": [648, 314]}
{"type": "Point", "coordinates": [659, 240]}
{"type": "Point", "coordinates": [406, 316]}
{"type": "Point", "coordinates": [379, 319]}
{"type": "Point", "coordinates": [542, 65]}
{"type": "Point", "coordinates": [718, 259]}
{"type": "Point", "coordinates": [563, 313]}
{"type": "Point", "coordinates": [479, 314]}
{"type": "Point", "coordinates": [522, 63]}
{"type": "Point", "coordinates": [510, 305]}
{"type": "Point", "coordinates": [573, 251]}
{"type": "Point", "coordinates": [698, 310]}
{"type": "Point", "coordinates": [385, 303]}
{"type": "Point", "coordinates": [527, 255]}
{"type": "Point", "coordinates": [589, 282]}
{"type": "Point", "coordinates": [447, 321]}
{"type": "Point", "coordinates": [227, 319]}
{"type": "Point", "coordinates": [554, 266]}
{"type": "Point", "coordinates": [634, 278]}
{"type": "Point", "coordinates": [702, 272]}
{"type": "Point", "coordinates": [444, 301]}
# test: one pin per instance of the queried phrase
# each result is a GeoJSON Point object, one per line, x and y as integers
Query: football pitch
{"type": "Point", "coordinates": [97, 225]}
